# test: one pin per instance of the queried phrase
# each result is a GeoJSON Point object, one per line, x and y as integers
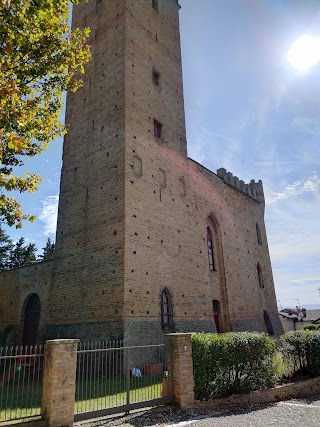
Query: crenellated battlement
{"type": "Point", "coordinates": [253, 189]}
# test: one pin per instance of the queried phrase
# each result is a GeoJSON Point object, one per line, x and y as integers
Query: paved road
{"type": "Point", "coordinates": [294, 413]}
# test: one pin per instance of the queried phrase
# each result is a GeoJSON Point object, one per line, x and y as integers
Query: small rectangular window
{"type": "Point", "coordinates": [157, 129]}
{"type": "Point", "coordinates": [155, 5]}
{"type": "Point", "coordinates": [155, 77]}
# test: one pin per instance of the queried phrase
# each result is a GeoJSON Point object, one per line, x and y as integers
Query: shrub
{"type": "Point", "coordinates": [314, 327]}
{"type": "Point", "coordinates": [232, 363]}
{"type": "Point", "coordinates": [302, 350]}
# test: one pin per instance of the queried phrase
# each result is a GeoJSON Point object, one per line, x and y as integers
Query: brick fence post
{"type": "Point", "coordinates": [180, 353]}
{"type": "Point", "coordinates": [59, 382]}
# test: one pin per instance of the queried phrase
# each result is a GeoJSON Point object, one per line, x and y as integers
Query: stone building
{"type": "Point", "coordinates": [148, 240]}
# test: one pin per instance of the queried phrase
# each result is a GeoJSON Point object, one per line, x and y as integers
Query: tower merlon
{"type": "Point", "coordinates": [253, 189]}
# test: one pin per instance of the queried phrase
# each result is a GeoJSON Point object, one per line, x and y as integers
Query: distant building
{"type": "Point", "coordinates": [296, 319]}
{"type": "Point", "coordinates": [148, 240]}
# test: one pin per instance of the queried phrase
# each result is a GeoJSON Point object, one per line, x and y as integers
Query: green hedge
{"type": "Point", "coordinates": [314, 327]}
{"type": "Point", "coordinates": [232, 363]}
{"type": "Point", "coordinates": [302, 350]}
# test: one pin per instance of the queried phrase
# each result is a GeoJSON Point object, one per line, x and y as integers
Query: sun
{"type": "Point", "coordinates": [304, 52]}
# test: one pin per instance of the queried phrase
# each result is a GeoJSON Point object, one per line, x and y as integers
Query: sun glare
{"type": "Point", "coordinates": [304, 53]}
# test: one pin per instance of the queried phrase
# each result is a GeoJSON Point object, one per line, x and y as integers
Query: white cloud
{"type": "Point", "coordinates": [296, 246]}
{"type": "Point", "coordinates": [280, 163]}
{"type": "Point", "coordinates": [49, 215]}
{"type": "Point", "coordinates": [292, 284]}
{"type": "Point", "coordinates": [294, 242]}
{"type": "Point", "coordinates": [308, 125]}
{"type": "Point", "coordinates": [307, 279]}
{"type": "Point", "coordinates": [311, 185]}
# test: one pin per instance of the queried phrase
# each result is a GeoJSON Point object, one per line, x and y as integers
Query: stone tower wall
{"type": "Point", "coordinates": [153, 44]}
{"type": "Point", "coordinates": [88, 275]}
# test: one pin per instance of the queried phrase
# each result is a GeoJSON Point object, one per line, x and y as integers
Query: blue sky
{"type": "Point", "coordinates": [250, 111]}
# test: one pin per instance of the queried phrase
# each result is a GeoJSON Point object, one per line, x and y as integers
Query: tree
{"type": "Point", "coordinates": [48, 251]}
{"type": "Point", "coordinates": [6, 246]}
{"type": "Point", "coordinates": [16, 258]}
{"type": "Point", "coordinates": [22, 255]}
{"type": "Point", "coordinates": [40, 58]}
{"type": "Point", "coordinates": [30, 256]}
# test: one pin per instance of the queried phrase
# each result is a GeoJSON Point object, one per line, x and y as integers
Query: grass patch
{"type": "Point", "coordinates": [100, 393]}
{"type": "Point", "coordinates": [19, 399]}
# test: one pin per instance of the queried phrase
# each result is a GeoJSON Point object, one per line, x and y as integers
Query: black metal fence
{"type": "Point", "coordinates": [112, 378]}
{"type": "Point", "coordinates": [21, 371]}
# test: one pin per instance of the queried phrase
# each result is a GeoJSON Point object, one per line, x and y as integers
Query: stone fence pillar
{"type": "Point", "coordinates": [59, 382]}
{"type": "Point", "coordinates": [182, 368]}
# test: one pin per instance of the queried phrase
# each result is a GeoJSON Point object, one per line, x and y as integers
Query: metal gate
{"type": "Point", "coordinates": [20, 382]}
{"type": "Point", "coordinates": [112, 378]}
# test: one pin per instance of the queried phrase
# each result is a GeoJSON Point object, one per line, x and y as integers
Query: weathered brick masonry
{"type": "Point", "coordinates": [134, 210]}
{"type": "Point", "coordinates": [16, 286]}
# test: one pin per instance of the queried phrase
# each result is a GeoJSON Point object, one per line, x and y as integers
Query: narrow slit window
{"type": "Point", "coordinates": [155, 5]}
{"type": "Point", "coordinates": [156, 77]}
{"type": "Point", "coordinates": [258, 234]}
{"type": "Point", "coordinates": [157, 129]}
{"type": "Point", "coordinates": [210, 250]}
{"type": "Point", "coordinates": [216, 315]}
{"type": "Point", "coordinates": [260, 277]}
{"type": "Point", "coordinates": [162, 178]}
{"type": "Point", "coordinates": [182, 186]}
{"type": "Point", "coordinates": [166, 310]}
{"type": "Point", "coordinates": [267, 322]}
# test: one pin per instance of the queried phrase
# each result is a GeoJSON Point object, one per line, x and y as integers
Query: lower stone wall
{"type": "Point", "coordinates": [8, 335]}
{"type": "Point", "coordinates": [133, 332]}
{"type": "Point", "coordinates": [11, 335]}
{"type": "Point", "coordinates": [85, 332]}
{"type": "Point", "coordinates": [249, 325]}
{"type": "Point", "coordinates": [144, 332]}
{"type": "Point", "coordinates": [256, 325]}
{"type": "Point", "coordinates": [193, 325]}
{"type": "Point", "coordinates": [294, 390]}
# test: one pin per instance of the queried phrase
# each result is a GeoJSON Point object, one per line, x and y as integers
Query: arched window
{"type": "Point", "coordinates": [166, 310]}
{"type": "Point", "coordinates": [216, 315]}
{"type": "Point", "coordinates": [210, 250]}
{"type": "Point", "coordinates": [258, 234]}
{"type": "Point", "coordinates": [31, 320]}
{"type": "Point", "coordinates": [268, 323]}
{"type": "Point", "coordinates": [260, 277]}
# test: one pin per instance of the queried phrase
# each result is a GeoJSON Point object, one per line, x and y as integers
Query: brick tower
{"type": "Point", "coordinates": [132, 84]}
{"type": "Point", "coordinates": [148, 241]}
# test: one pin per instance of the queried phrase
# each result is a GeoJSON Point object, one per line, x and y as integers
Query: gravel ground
{"type": "Point", "coordinates": [293, 413]}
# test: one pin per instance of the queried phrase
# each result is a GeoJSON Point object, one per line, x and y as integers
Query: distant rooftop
{"type": "Point", "coordinates": [292, 313]}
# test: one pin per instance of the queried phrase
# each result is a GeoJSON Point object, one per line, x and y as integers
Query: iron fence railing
{"type": "Point", "coordinates": [116, 378]}
{"type": "Point", "coordinates": [21, 371]}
